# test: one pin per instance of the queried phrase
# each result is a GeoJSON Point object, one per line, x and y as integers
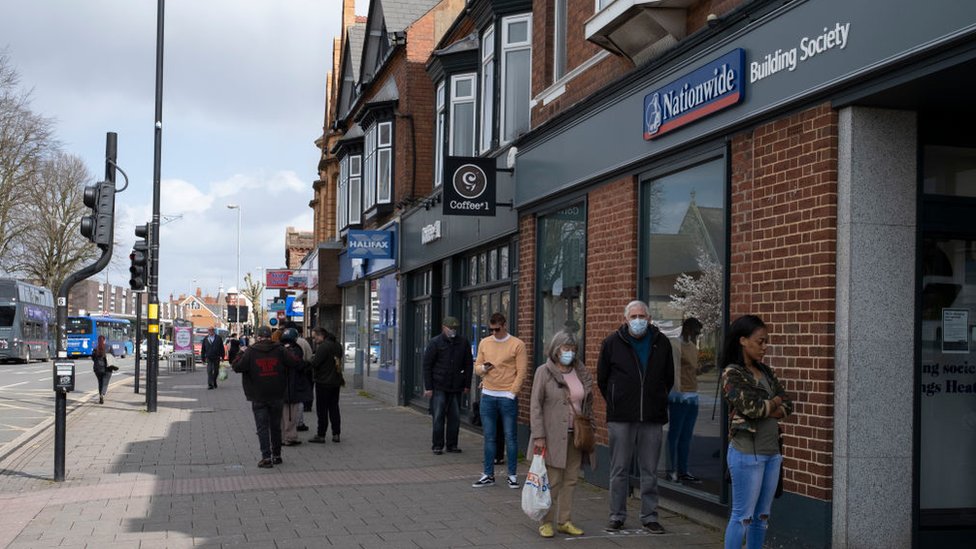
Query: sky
{"type": "Point", "coordinates": [243, 102]}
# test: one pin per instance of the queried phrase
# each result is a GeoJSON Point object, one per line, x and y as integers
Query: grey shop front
{"type": "Point", "coordinates": [461, 266]}
{"type": "Point", "coordinates": [899, 75]}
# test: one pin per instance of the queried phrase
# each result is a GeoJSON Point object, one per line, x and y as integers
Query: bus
{"type": "Point", "coordinates": [83, 332]}
{"type": "Point", "coordinates": [27, 321]}
{"type": "Point", "coordinates": [200, 333]}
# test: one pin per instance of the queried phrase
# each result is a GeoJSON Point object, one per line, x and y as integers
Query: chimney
{"type": "Point", "coordinates": [348, 13]}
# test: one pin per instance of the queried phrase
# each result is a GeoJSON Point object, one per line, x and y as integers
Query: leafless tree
{"type": "Point", "coordinates": [25, 139]}
{"type": "Point", "coordinates": [253, 290]}
{"type": "Point", "coordinates": [50, 246]}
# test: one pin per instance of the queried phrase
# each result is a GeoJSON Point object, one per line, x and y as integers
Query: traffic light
{"type": "Point", "coordinates": [98, 226]}
{"type": "Point", "coordinates": [139, 258]}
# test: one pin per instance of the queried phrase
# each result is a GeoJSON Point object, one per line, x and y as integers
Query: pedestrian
{"type": "Point", "coordinates": [103, 371]}
{"type": "Point", "coordinates": [307, 356]}
{"type": "Point", "coordinates": [298, 388]}
{"type": "Point", "coordinates": [757, 401]}
{"type": "Point", "coordinates": [561, 389]}
{"type": "Point", "coordinates": [212, 351]}
{"type": "Point", "coordinates": [263, 366]}
{"type": "Point", "coordinates": [502, 365]}
{"type": "Point", "coordinates": [447, 376]}
{"type": "Point", "coordinates": [233, 347]}
{"type": "Point", "coordinates": [683, 403]}
{"type": "Point", "coordinates": [635, 373]}
{"type": "Point", "coordinates": [328, 381]}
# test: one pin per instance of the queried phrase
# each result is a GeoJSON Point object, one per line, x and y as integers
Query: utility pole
{"type": "Point", "coordinates": [152, 313]}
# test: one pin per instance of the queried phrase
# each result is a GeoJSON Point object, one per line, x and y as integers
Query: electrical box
{"type": "Point", "coordinates": [64, 375]}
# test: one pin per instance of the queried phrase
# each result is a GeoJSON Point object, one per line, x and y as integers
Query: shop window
{"type": "Point", "coordinates": [462, 115]}
{"type": "Point", "coordinates": [487, 88]}
{"type": "Point", "coordinates": [562, 266]}
{"type": "Point", "coordinates": [683, 241]}
{"type": "Point", "coordinates": [950, 171]}
{"type": "Point", "coordinates": [439, 137]}
{"type": "Point", "coordinates": [516, 72]}
{"type": "Point", "coordinates": [503, 262]}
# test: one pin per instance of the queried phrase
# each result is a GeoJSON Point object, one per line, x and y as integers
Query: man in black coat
{"type": "Point", "coordinates": [264, 366]}
{"type": "Point", "coordinates": [212, 351]}
{"type": "Point", "coordinates": [447, 376]}
{"type": "Point", "coordinates": [635, 373]}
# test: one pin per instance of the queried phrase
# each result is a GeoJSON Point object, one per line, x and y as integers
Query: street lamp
{"type": "Point", "coordinates": [237, 281]}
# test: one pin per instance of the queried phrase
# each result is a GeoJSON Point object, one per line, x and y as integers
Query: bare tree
{"type": "Point", "coordinates": [701, 297]}
{"type": "Point", "coordinates": [50, 246]}
{"type": "Point", "coordinates": [253, 290]}
{"type": "Point", "coordinates": [25, 138]}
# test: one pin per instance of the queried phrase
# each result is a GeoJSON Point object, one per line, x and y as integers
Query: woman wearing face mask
{"type": "Point", "coordinates": [561, 389]}
{"type": "Point", "coordinates": [757, 401]}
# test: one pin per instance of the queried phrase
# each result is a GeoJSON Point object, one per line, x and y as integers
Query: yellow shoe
{"type": "Point", "coordinates": [569, 528]}
{"type": "Point", "coordinates": [545, 530]}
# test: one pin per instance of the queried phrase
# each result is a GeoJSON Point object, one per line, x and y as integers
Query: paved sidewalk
{"type": "Point", "coordinates": [186, 476]}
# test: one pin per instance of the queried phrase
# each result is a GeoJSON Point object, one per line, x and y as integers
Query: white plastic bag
{"type": "Point", "coordinates": [536, 498]}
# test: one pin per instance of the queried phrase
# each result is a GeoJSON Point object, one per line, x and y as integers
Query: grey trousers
{"type": "Point", "coordinates": [626, 439]}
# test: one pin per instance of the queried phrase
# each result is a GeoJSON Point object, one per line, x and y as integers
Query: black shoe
{"type": "Point", "coordinates": [266, 463]}
{"type": "Point", "coordinates": [438, 451]}
{"type": "Point", "coordinates": [291, 443]}
{"type": "Point", "coordinates": [302, 427]}
{"type": "Point", "coordinates": [317, 439]}
{"type": "Point", "coordinates": [276, 460]}
{"type": "Point", "coordinates": [101, 399]}
{"type": "Point", "coordinates": [209, 387]}
{"type": "Point", "coordinates": [485, 480]}
{"type": "Point", "coordinates": [654, 527]}
{"type": "Point", "coordinates": [688, 477]}
{"type": "Point", "coordinates": [335, 438]}
{"type": "Point", "coordinates": [454, 450]}
{"type": "Point", "coordinates": [615, 525]}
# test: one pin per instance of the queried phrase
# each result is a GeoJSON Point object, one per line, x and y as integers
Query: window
{"type": "Point", "coordinates": [516, 73]}
{"type": "Point", "coordinates": [559, 40]}
{"type": "Point", "coordinates": [355, 189]}
{"type": "Point", "coordinates": [487, 88]}
{"type": "Point", "coordinates": [439, 142]}
{"type": "Point", "coordinates": [379, 165]}
{"type": "Point", "coordinates": [562, 265]}
{"type": "Point", "coordinates": [600, 4]}
{"type": "Point", "coordinates": [342, 195]}
{"type": "Point", "coordinates": [462, 115]}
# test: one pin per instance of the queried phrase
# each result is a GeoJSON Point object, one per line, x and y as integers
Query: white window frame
{"type": "Point", "coordinates": [439, 143]}
{"type": "Point", "coordinates": [369, 168]}
{"type": "Point", "coordinates": [487, 88]}
{"type": "Point", "coordinates": [354, 189]}
{"type": "Point", "coordinates": [457, 100]}
{"type": "Point", "coordinates": [384, 193]}
{"type": "Point", "coordinates": [559, 30]}
{"type": "Point", "coordinates": [600, 4]}
{"type": "Point", "coordinates": [341, 202]}
{"type": "Point", "coordinates": [506, 48]}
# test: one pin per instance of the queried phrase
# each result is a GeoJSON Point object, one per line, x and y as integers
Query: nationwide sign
{"type": "Point", "coordinates": [469, 186]}
{"type": "Point", "coordinates": [708, 90]}
{"type": "Point", "coordinates": [370, 244]}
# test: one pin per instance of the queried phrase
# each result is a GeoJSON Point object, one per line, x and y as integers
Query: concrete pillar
{"type": "Point", "coordinates": [874, 354]}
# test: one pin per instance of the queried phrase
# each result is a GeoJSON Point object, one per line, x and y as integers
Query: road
{"type": "Point", "coordinates": [27, 395]}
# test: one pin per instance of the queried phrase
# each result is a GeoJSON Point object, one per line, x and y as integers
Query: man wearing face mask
{"type": "Point", "coordinates": [447, 376]}
{"type": "Point", "coordinates": [635, 373]}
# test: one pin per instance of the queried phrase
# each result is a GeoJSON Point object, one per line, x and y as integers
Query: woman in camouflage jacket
{"type": "Point", "coordinates": [757, 401]}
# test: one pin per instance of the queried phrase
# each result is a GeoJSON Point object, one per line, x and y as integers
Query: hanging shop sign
{"type": "Point", "coordinates": [469, 186]}
{"type": "Point", "coordinates": [277, 279]}
{"type": "Point", "coordinates": [703, 92]}
{"type": "Point", "coordinates": [370, 244]}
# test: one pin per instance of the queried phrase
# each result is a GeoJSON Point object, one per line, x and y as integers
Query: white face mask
{"type": "Point", "coordinates": [566, 357]}
{"type": "Point", "coordinates": [450, 334]}
{"type": "Point", "coordinates": [638, 326]}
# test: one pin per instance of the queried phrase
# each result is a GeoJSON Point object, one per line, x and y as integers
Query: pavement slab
{"type": "Point", "coordinates": [186, 476]}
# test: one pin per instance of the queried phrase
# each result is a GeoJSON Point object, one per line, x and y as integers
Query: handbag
{"type": "Point", "coordinates": [583, 438]}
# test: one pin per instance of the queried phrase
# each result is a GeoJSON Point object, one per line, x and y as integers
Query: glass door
{"type": "Point", "coordinates": [422, 332]}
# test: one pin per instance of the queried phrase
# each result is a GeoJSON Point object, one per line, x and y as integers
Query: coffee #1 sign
{"type": "Point", "coordinates": [469, 186]}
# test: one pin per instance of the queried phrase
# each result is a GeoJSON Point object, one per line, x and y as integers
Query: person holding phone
{"type": "Point", "coordinates": [502, 365]}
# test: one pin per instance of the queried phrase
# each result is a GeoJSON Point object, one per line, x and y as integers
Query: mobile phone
{"type": "Point", "coordinates": [488, 365]}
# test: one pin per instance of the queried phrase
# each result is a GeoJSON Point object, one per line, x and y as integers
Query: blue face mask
{"type": "Point", "coordinates": [566, 357]}
{"type": "Point", "coordinates": [638, 326]}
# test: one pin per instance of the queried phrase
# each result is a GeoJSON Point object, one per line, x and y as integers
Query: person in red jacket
{"type": "Point", "coordinates": [264, 366]}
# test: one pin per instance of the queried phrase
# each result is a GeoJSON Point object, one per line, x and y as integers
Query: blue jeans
{"type": "Point", "coordinates": [683, 414]}
{"type": "Point", "coordinates": [491, 407]}
{"type": "Point", "coordinates": [267, 419]}
{"type": "Point", "coordinates": [754, 480]}
{"type": "Point", "coordinates": [445, 406]}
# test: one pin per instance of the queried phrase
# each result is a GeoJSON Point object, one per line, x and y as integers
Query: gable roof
{"type": "Point", "coordinates": [355, 36]}
{"type": "Point", "coordinates": [400, 14]}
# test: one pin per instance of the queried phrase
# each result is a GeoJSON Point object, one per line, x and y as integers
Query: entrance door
{"type": "Point", "coordinates": [422, 332]}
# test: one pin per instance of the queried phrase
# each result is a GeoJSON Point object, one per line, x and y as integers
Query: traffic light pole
{"type": "Point", "coordinates": [138, 339]}
{"type": "Point", "coordinates": [152, 316]}
{"type": "Point", "coordinates": [61, 396]}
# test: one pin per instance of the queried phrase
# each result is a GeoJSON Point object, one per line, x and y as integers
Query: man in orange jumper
{"type": "Point", "coordinates": [502, 365]}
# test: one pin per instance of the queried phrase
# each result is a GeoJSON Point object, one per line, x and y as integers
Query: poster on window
{"type": "Point", "coordinates": [469, 186]}
{"type": "Point", "coordinates": [955, 330]}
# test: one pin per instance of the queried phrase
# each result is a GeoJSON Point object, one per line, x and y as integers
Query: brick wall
{"type": "Point", "coordinates": [526, 304]}
{"type": "Point", "coordinates": [784, 233]}
{"type": "Point", "coordinates": [611, 265]}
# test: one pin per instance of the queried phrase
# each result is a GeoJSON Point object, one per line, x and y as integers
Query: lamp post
{"type": "Point", "coordinates": [237, 281]}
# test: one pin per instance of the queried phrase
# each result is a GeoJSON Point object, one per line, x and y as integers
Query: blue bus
{"type": "Point", "coordinates": [27, 321]}
{"type": "Point", "coordinates": [83, 332]}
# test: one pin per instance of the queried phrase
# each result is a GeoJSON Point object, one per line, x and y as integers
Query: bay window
{"type": "Point", "coordinates": [487, 87]}
{"type": "Point", "coordinates": [516, 75]}
{"type": "Point", "coordinates": [462, 115]}
{"type": "Point", "coordinates": [439, 139]}
{"type": "Point", "coordinates": [378, 171]}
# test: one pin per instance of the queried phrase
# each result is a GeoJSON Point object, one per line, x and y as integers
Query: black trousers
{"type": "Point", "coordinates": [213, 368]}
{"type": "Point", "coordinates": [267, 419]}
{"type": "Point", "coordinates": [327, 408]}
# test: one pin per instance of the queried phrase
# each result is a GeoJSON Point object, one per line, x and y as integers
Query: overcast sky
{"type": "Point", "coordinates": [243, 102]}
